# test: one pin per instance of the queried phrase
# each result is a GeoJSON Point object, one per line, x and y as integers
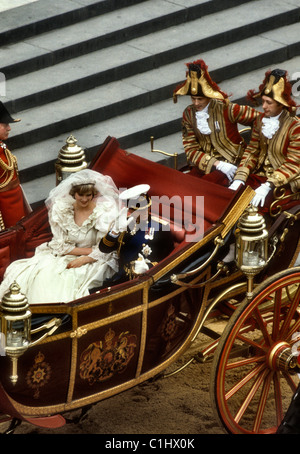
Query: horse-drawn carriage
{"type": "Point", "coordinates": [75, 354]}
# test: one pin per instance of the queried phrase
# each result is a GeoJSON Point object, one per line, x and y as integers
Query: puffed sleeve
{"type": "Point", "coordinates": [107, 213]}
{"type": "Point", "coordinates": [59, 217]}
{"type": "Point", "coordinates": [108, 209]}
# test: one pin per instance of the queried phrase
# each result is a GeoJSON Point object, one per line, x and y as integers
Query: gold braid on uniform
{"type": "Point", "coordinates": [107, 242]}
{"type": "Point", "coordinates": [2, 225]}
{"type": "Point", "coordinates": [120, 241]}
{"type": "Point", "coordinates": [8, 169]}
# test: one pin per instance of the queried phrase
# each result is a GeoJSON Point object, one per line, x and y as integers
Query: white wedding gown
{"type": "Point", "coordinates": [44, 277]}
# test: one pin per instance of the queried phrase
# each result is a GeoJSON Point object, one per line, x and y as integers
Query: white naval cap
{"type": "Point", "coordinates": [134, 192]}
{"type": "Point", "coordinates": [136, 197]}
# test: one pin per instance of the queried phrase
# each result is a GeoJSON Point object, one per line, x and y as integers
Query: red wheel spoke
{"type": "Point", "coordinates": [278, 400]}
{"type": "Point", "coordinates": [253, 392]}
{"type": "Point", "coordinates": [277, 312]}
{"type": "Point", "coordinates": [290, 315]}
{"type": "Point", "coordinates": [262, 402]}
{"type": "Point", "coordinates": [256, 371]}
{"type": "Point", "coordinates": [244, 362]}
{"type": "Point", "coordinates": [290, 381]}
{"type": "Point", "coordinates": [252, 342]}
{"type": "Point", "coordinates": [254, 389]}
{"type": "Point", "coordinates": [263, 326]}
{"type": "Point", "coordinates": [293, 329]}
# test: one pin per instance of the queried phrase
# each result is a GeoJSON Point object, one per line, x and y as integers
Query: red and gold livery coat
{"type": "Point", "coordinates": [278, 158]}
{"type": "Point", "coordinates": [12, 206]}
{"type": "Point", "coordinates": [224, 143]}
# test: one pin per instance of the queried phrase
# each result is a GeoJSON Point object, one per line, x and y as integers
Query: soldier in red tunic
{"type": "Point", "coordinates": [12, 204]}
{"type": "Point", "coordinates": [210, 135]}
{"type": "Point", "coordinates": [272, 158]}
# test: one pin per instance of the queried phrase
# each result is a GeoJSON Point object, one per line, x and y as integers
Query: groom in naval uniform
{"type": "Point", "coordinates": [140, 239]}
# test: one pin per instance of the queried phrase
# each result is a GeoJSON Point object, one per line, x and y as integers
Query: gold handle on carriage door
{"type": "Point", "coordinates": [218, 243]}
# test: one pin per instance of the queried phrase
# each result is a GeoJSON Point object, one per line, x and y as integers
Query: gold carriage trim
{"type": "Point", "coordinates": [38, 375]}
{"type": "Point", "coordinates": [2, 225]}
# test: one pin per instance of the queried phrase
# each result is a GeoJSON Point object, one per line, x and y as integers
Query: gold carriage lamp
{"type": "Point", "coordinates": [15, 323]}
{"type": "Point", "coordinates": [251, 253]}
{"type": "Point", "coordinates": [15, 327]}
{"type": "Point", "coordinates": [71, 158]}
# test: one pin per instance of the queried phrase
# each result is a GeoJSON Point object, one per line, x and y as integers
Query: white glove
{"type": "Point", "coordinates": [235, 185]}
{"type": "Point", "coordinates": [228, 169]}
{"type": "Point", "coordinates": [141, 265]}
{"type": "Point", "coordinates": [121, 222]}
{"type": "Point", "coordinates": [260, 195]}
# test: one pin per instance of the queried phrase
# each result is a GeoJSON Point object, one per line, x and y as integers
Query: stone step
{"type": "Point", "coordinates": [105, 30]}
{"type": "Point", "coordinates": [142, 44]}
{"type": "Point", "coordinates": [113, 73]}
{"type": "Point", "coordinates": [124, 129]}
{"type": "Point", "coordinates": [93, 108]}
{"type": "Point", "coordinates": [134, 58]}
{"type": "Point", "coordinates": [38, 17]}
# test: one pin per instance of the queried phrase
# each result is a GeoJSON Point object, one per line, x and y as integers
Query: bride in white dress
{"type": "Point", "coordinates": [81, 210]}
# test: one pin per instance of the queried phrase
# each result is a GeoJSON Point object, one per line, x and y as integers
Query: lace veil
{"type": "Point", "coordinates": [103, 183]}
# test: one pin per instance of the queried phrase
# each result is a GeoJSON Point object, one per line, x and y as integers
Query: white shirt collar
{"type": "Point", "coordinates": [202, 117]}
{"type": "Point", "coordinates": [270, 125]}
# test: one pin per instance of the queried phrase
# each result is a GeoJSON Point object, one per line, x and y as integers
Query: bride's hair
{"type": "Point", "coordinates": [87, 180]}
{"type": "Point", "coordinates": [82, 189]}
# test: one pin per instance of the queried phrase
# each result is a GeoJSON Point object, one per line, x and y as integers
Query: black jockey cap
{"type": "Point", "coordinates": [5, 116]}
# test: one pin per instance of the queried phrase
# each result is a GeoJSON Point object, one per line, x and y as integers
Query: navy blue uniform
{"type": "Point", "coordinates": [154, 242]}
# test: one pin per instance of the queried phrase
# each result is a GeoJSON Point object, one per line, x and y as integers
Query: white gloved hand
{"type": "Point", "coordinates": [121, 222]}
{"type": "Point", "coordinates": [235, 185]}
{"type": "Point", "coordinates": [260, 195]}
{"type": "Point", "coordinates": [141, 265]}
{"type": "Point", "coordinates": [228, 169]}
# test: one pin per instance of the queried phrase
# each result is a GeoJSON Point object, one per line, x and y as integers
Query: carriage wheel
{"type": "Point", "coordinates": [255, 367]}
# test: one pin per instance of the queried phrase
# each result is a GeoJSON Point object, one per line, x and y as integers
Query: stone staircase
{"type": "Point", "coordinates": [109, 68]}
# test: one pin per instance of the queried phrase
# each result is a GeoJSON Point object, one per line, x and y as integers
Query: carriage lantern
{"type": "Point", "coordinates": [71, 158]}
{"type": "Point", "coordinates": [251, 244]}
{"type": "Point", "coordinates": [15, 323]}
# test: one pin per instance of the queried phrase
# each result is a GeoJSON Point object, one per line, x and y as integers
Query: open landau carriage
{"type": "Point", "coordinates": [78, 353]}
